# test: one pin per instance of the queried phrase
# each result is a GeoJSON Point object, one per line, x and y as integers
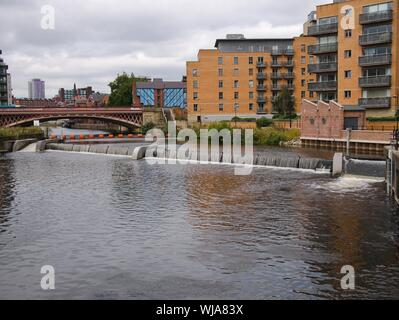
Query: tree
{"type": "Point", "coordinates": [284, 103]}
{"type": "Point", "coordinates": [121, 89]}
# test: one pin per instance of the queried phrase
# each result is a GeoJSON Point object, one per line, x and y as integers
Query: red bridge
{"type": "Point", "coordinates": [127, 117]}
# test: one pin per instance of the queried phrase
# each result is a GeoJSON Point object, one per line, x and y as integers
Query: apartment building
{"type": "Point", "coordinates": [348, 52]}
{"type": "Point", "coordinates": [3, 82]}
{"type": "Point", "coordinates": [240, 77]}
{"type": "Point", "coordinates": [36, 89]}
{"type": "Point", "coordinates": [160, 94]}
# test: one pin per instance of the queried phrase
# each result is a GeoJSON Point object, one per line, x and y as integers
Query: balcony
{"type": "Point", "coordinates": [377, 60]}
{"type": "Point", "coordinates": [261, 100]}
{"type": "Point", "coordinates": [323, 48]}
{"type": "Point", "coordinates": [288, 64]}
{"type": "Point", "coordinates": [261, 88]}
{"type": "Point", "coordinates": [322, 67]}
{"type": "Point", "coordinates": [377, 81]}
{"type": "Point", "coordinates": [276, 87]}
{"type": "Point", "coordinates": [289, 52]}
{"type": "Point", "coordinates": [261, 76]}
{"type": "Point", "coordinates": [375, 38]}
{"type": "Point", "coordinates": [277, 52]}
{"type": "Point", "coordinates": [261, 65]}
{"type": "Point", "coordinates": [323, 86]}
{"type": "Point", "coordinates": [323, 29]}
{"type": "Point", "coordinates": [375, 103]}
{"type": "Point", "coordinates": [374, 17]}
{"type": "Point", "coordinates": [261, 111]}
{"type": "Point", "coordinates": [276, 64]}
{"type": "Point", "coordinates": [289, 75]}
{"type": "Point", "coordinates": [277, 75]}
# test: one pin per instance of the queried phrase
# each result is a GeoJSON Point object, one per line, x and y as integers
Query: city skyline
{"type": "Point", "coordinates": [89, 53]}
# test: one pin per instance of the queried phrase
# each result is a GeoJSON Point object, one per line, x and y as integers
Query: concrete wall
{"type": "Point", "coordinates": [153, 115]}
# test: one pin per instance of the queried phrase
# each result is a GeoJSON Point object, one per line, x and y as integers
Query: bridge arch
{"type": "Point", "coordinates": [130, 118]}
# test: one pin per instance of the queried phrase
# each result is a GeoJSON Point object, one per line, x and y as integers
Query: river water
{"type": "Point", "coordinates": [114, 228]}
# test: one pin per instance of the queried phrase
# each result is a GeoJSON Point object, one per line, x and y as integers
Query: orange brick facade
{"type": "Point", "coordinates": [348, 53]}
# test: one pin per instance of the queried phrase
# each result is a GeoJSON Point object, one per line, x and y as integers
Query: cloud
{"type": "Point", "coordinates": [96, 39]}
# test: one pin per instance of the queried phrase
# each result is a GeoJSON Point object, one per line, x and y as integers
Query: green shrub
{"type": "Point", "coordinates": [285, 117]}
{"type": "Point", "coordinates": [147, 127]}
{"type": "Point", "coordinates": [274, 137]}
{"type": "Point", "coordinates": [21, 133]}
{"type": "Point", "coordinates": [263, 122]}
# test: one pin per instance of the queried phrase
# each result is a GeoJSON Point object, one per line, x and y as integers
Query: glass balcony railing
{"type": "Point", "coordinates": [323, 29]}
{"type": "Point", "coordinates": [323, 48]}
{"type": "Point", "coordinates": [375, 38]}
{"type": "Point", "coordinates": [381, 59]}
{"type": "Point", "coordinates": [323, 86]}
{"type": "Point", "coordinates": [375, 103]}
{"type": "Point", "coordinates": [377, 81]}
{"type": "Point", "coordinates": [374, 17]}
{"type": "Point", "coordinates": [322, 67]}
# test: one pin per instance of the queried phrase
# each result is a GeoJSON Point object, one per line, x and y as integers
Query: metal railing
{"type": "Point", "coordinates": [374, 60]}
{"type": "Point", "coordinates": [276, 64]}
{"type": "Point", "coordinates": [375, 103]}
{"type": "Point", "coordinates": [322, 67]}
{"type": "Point", "coordinates": [378, 16]}
{"type": "Point", "coordinates": [261, 100]}
{"type": "Point", "coordinates": [323, 86]}
{"type": "Point", "coordinates": [323, 48]}
{"type": "Point", "coordinates": [375, 38]}
{"type": "Point", "coordinates": [377, 81]}
{"type": "Point", "coordinates": [261, 76]}
{"type": "Point", "coordinates": [261, 88]}
{"type": "Point", "coordinates": [323, 29]}
{"type": "Point", "coordinates": [261, 64]}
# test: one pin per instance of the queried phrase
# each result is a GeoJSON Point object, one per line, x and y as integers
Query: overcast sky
{"type": "Point", "coordinates": [94, 40]}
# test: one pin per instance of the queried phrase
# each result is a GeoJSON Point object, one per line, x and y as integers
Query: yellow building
{"type": "Point", "coordinates": [348, 52]}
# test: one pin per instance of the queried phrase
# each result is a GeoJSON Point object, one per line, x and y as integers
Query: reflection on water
{"type": "Point", "coordinates": [121, 229]}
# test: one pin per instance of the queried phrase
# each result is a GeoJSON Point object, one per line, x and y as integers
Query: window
{"type": "Point", "coordinates": [220, 60]}
{"type": "Point", "coordinates": [195, 95]}
{"type": "Point", "coordinates": [311, 94]}
{"type": "Point", "coordinates": [251, 106]}
{"type": "Point", "coordinates": [236, 72]}
{"type": "Point", "coordinates": [348, 33]}
{"type": "Point", "coordinates": [195, 107]}
{"type": "Point", "coordinates": [303, 48]}
{"type": "Point", "coordinates": [348, 74]}
{"type": "Point", "coordinates": [236, 95]}
{"type": "Point", "coordinates": [303, 60]}
{"type": "Point", "coordinates": [348, 94]}
{"type": "Point", "coordinates": [195, 72]}
{"type": "Point", "coordinates": [220, 95]}
{"type": "Point", "coordinates": [251, 72]}
{"type": "Point", "coordinates": [303, 83]}
{"type": "Point", "coordinates": [236, 84]}
{"type": "Point", "coordinates": [311, 59]}
{"type": "Point", "coordinates": [251, 60]}
{"type": "Point", "coordinates": [220, 83]}
{"type": "Point", "coordinates": [348, 53]}
{"type": "Point", "coordinates": [251, 95]}
{"type": "Point", "coordinates": [303, 94]}
{"type": "Point", "coordinates": [251, 83]}
{"type": "Point", "coordinates": [235, 60]}
{"type": "Point", "coordinates": [195, 84]}
{"type": "Point", "coordinates": [303, 71]}
{"type": "Point", "coordinates": [221, 107]}
{"type": "Point", "coordinates": [220, 71]}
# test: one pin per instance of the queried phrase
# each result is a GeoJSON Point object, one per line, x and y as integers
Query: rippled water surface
{"type": "Point", "coordinates": [119, 229]}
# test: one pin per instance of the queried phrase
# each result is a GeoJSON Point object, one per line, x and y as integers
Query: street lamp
{"type": "Point", "coordinates": [236, 107]}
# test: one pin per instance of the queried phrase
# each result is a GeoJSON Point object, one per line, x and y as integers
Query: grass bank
{"type": "Point", "coordinates": [19, 133]}
{"type": "Point", "coordinates": [268, 136]}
